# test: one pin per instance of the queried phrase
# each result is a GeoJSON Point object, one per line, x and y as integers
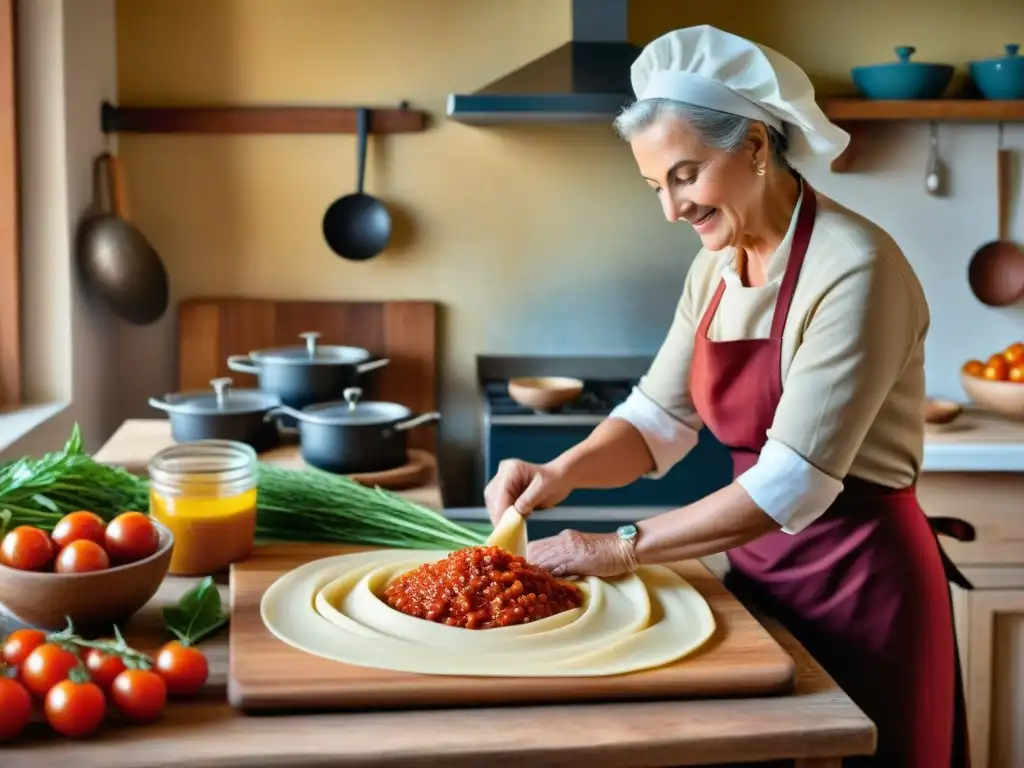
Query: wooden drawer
{"type": "Point", "coordinates": [993, 502]}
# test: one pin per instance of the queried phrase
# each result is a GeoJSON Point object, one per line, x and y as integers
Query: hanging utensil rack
{"type": "Point", "coordinates": [256, 120]}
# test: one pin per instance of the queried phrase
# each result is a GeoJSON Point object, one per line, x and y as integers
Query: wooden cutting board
{"type": "Point", "coordinates": [210, 329]}
{"type": "Point", "coordinates": [741, 659]}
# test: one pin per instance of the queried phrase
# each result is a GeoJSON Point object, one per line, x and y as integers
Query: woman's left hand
{"type": "Point", "coordinates": [572, 553]}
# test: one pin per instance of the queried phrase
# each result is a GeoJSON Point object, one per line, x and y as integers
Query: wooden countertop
{"type": "Point", "coordinates": [138, 440]}
{"type": "Point", "coordinates": [817, 724]}
{"type": "Point", "coordinates": [817, 721]}
{"type": "Point", "coordinates": [977, 441]}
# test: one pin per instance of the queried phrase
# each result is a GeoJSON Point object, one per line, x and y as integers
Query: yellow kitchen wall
{"type": "Point", "coordinates": [534, 239]}
{"type": "Point", "coordinates": [827, 38]}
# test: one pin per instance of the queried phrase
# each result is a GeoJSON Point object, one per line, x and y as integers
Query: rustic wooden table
{"type": "Point", "coordinates": [817, 725]}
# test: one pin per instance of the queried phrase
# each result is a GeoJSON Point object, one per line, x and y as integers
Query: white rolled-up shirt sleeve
{"type": "Point", "coordinates": [668, 438]}
{"type": "Point", "coordinates": [788, 488]}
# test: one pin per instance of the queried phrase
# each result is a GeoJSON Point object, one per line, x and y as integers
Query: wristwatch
{"type": "Point", "coordinates": [628, 535]}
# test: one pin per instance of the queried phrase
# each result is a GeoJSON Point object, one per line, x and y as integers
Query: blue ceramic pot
{"type": "Point", "coordinates": [902, 79]}
{"type": "Point", "coordinates": [1001, 78]}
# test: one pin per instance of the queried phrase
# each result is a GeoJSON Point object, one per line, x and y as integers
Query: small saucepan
{"type": "Point", "coordinates": [301, 376]}
{"type": "Point", "coordinates": [351, 437]}
{"type": "Point", "coordinates": [223, 414]}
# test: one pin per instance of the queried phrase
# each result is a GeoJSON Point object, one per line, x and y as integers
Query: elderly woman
{"type": "Point", "coordinates": [799, 343]}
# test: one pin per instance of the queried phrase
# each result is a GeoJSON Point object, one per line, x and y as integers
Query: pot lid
{"type": "Point", "coordinates": [312, 354]}
{"type": "Point", "coordinates": [352, 411]}
{"type": "Point", "coordinates": [222, 399]}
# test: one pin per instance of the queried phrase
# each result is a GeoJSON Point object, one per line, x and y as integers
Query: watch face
{"type": "Point", "coordinates": [627, 531]}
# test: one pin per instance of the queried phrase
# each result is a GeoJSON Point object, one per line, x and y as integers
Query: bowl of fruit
{"type": "Point", "coordinates": [87, 570]}
{"type": "Point", "coordinates": [997, 384]}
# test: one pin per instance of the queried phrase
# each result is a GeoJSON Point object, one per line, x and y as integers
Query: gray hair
{"type": "Point", "coordinates": [718, 130]}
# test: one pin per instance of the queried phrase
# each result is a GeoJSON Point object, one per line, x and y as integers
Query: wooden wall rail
{"type": "Point", "coordinates": [256, 120]}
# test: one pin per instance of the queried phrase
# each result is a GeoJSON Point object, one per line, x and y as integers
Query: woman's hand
{"type": "Point", "coordinates": [572, 553]}
{"type": "Point", "coordinates": [526, 487]}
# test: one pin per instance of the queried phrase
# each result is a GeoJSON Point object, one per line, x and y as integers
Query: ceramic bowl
{"type": "Point", "coordinates": [1003, 397]}
{"type": "Point", "coordinates": [902, 79]}
{"type": "Point", "coordinates": [544, 393]}
{"type": "Point", "coordinates": [94, 600]}
{"type": "Point", "coordinates": [941, 411]}
{"type": "Point", "coordinates": [1000, 78]}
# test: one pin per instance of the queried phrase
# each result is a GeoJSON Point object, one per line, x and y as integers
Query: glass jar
{"type": "Point", "coordinates": [205, 492]}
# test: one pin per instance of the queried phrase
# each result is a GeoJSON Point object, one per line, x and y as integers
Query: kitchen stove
{"type": "Point", "coordinates": [511, 430]}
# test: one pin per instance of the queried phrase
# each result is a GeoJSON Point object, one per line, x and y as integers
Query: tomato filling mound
{"type": "Point", "coordinates": [481, 588]}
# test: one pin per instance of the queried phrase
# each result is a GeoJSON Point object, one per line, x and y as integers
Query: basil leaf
{"type": "Point", "coordinates": [198, 613]}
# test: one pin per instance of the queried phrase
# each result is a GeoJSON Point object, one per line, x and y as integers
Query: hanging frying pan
{"type": "Point", "coordinates": [117, 262]}
{"type": "Point", "coordinates": [358, 226]}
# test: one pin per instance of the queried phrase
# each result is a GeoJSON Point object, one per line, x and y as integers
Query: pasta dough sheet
{"type": "Point", "coordinates": [331, 608]}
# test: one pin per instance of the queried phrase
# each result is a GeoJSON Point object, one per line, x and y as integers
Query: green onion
{"type": "Point", "coordinates": [293, 505]}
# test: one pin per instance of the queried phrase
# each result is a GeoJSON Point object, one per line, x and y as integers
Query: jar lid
{"type": "Point", "coordinates": [222, 399]}
{"type": "Point", "coordinates": [312, 354]}
{"type": "Point", "coordinates": [202, 467]}
{"type": "Point", "coordinates": [353, 412]}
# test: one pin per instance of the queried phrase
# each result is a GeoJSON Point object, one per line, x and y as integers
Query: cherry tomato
{"type": "Point", "coordinates": [183, 668]}
{"type": "Point", "coordinates": [1014, 353]}
{"type": "Point", "coordinates": [139, 694]}
{"type": "Point", "coordinates": [75, 708]}
{"type": "Point", "coordinates": [77, 526]}
{"type": "Point", "coordinates": [974, 368]}
{"type": "Point", "coordinates": [46, 666]}
{"type": "Point", "coordinates": [15, 708]}
{"type": "Point", "coordinates": [131, 536]}
{"type": "Point", "coordinates": [1016, 373]}
{"type": "Point", "coordinates": [20, 643]}
{"type": "Point", "coordinates": [81, 556]}
{"type": "Point", "coordinates": [103, 668]}
{"type": "Point", "coordinates": [26, 548]}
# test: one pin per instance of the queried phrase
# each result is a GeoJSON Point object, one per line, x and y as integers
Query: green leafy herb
{"type": "Point", "coordinates": [39, 491]}
{"type": "Point", "coordinates": [197, 615]}
{"type": "Point", "coordinates": [5, 521]}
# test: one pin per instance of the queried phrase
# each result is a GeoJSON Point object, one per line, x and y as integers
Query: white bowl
{"type": "Point", "coordinates": [1003, 397]}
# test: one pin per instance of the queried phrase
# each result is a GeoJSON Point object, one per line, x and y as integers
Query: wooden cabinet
{"type": "Point", "coordinates": [990, 629]}
{"type": "Point", "coordinates": [989, 619]}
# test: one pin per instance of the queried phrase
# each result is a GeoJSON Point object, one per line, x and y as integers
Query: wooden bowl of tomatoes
{"type": "Point", "coordinates": [87, 570]}
{"type": "Point", "coordinates": [997, 384]}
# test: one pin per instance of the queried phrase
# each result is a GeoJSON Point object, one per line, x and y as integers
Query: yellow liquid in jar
{"type": "Point", "coordinates": [210, 532]}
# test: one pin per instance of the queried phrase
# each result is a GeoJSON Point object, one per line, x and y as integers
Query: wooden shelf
{"type": "Point", "coordinates": [854, 115]}
{"type": "Point", "coordinates": [256, 120]}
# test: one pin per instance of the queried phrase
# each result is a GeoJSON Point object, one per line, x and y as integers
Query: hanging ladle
{"type": "Point", "coordinates": [933, 175]}
{"type": "Point", "coordinates": [996, 271]}
{"type": "Point", "coordinates": [358, 226]}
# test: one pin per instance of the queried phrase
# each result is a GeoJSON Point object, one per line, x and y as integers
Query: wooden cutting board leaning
{"type": "Point", "coordinates": [405, 332]}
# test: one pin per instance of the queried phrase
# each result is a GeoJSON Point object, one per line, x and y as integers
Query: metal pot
{"type": "Point", "coordinates": [223, 414]}
{"type": "Point", "coordinates": [349, 437]}
{"type": "Point", "coordinates": [306, 375]}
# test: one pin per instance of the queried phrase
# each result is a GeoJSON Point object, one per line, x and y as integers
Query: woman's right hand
{"type": "Point", "coordinates": [526, 487]}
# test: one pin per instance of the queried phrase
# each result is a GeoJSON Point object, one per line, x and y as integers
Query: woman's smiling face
{"type": "Point", "coordinates": [714, 190]}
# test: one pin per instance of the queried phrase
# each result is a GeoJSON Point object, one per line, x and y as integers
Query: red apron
{"type": "Point", "coordinates": [864, 587]}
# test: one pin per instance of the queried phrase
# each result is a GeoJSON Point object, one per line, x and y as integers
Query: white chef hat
{"type": "Point", "coordinates": [707, 67]}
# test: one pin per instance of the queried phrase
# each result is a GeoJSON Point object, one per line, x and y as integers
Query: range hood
{"type": "Point", "coordinates": [584, 81]}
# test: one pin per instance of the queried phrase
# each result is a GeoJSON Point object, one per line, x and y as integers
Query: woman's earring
{"type": "Point", "coordinates": [760, 170]}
